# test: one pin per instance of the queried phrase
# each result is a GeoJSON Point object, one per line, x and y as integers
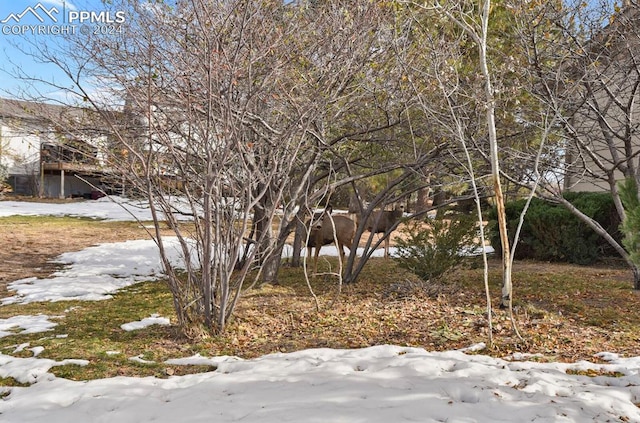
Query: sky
{"type": "Point", "coordinates": [13, 34]}
{"type": "Point", "coordinates": [384, 383]}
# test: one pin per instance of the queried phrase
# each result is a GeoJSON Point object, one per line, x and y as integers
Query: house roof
{"type": "Point", "coordinates": [27, 109]}
{"type": "Point", "coordinates": [31, 110]}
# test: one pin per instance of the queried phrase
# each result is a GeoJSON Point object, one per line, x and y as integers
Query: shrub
{"type": "Point", "coordinates": [550, 232]}
{"type": "Point", "coordinates": [630, 227]}
{"type": "Point", "coordinates": [4, 185]}
{"type": "Point", "coordinates": [431, 249]}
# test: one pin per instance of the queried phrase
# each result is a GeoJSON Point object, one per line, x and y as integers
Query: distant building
{"type": "Point", "coordinates": [44, 157]}
{"type": "Point", "coordinates": [605, 143]}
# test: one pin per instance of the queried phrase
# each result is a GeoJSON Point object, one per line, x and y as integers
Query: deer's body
{"type": "Point", "coordinates": [327, 229]}
{"type": "Point", "coordinates": [383, 221]}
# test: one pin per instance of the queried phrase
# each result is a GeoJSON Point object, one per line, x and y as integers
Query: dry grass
{"type": "Point", "coordinates": [564, 312]}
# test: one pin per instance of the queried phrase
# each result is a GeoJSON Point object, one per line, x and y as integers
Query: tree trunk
{"type": "Point", "coordinates": [636, 277]}
{"type": "Point", "coordinates": [506, 300]}
{"type": "Point", "coordinates": [272, 266]}
{"type": "Point", "coordinates": [507, 287]}
{"type": "Point", "coordinates": [298, 239]}
{"type": "Point", "coordinates": [262, 232]}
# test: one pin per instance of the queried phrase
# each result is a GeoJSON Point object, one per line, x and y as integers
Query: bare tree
{"type": "Point", "coordinates": [215, 94]}
{"type": "Point", "coordinates": [339, 52]}
{"type": "Point", "coordinates": [229, 118]}
{"type": "Point", "coordinates": [473, 22]}
{"type": "Point", "coordinates": [364, 133]}
{"type": "Point", "coordinates": [586, 67]}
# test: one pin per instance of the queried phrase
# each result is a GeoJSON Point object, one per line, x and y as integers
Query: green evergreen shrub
{"type": "Point", "coordinates": [630, 227]}
{"type": "Point", "coordinates": [430, 249]}
{"type": "Point", "coordinates": [550, 232]}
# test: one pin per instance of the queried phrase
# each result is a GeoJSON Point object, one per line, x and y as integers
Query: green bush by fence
{"type": "Point", "coordinates": [552, 233]}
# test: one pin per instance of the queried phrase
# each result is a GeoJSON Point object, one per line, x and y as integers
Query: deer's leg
{"type": "Point", "coordinates": [342, 253]}
{"type": "Point", "coordinates": [386, 246]}
{"type": "Point", "coordinates": [315, 259]}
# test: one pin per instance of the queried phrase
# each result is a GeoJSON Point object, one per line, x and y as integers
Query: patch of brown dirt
{"type": "Point", "coordinates": [29, 245]}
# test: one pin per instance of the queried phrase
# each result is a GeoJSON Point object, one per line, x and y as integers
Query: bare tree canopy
{"type": "Point", "coordinates": [584, 71]}
{"type": "Point", "coordinates": [240, 115]}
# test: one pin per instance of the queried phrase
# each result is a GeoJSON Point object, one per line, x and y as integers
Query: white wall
{"type": "Point", "coordinates": [20, 149]}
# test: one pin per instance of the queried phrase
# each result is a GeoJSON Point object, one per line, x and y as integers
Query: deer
{"type": "Point", "coordinates": [383, 221]}
{"type": "Point", "coordinates": [327, 229]}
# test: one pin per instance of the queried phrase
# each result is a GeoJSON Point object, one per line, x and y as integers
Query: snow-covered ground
{"type": "Point", "coordinates": [377, 384]}
{"type": "Point", "coordinates": [108, 208]}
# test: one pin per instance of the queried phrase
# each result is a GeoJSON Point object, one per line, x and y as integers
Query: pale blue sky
{"type": "Point", "coordinates": [10, 55]}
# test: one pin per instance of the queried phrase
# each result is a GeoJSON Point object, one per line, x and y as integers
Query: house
{"type": "Point", "coordinates": [604, 141]}
{"type": "Point", "coordinates": [44, 155]}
